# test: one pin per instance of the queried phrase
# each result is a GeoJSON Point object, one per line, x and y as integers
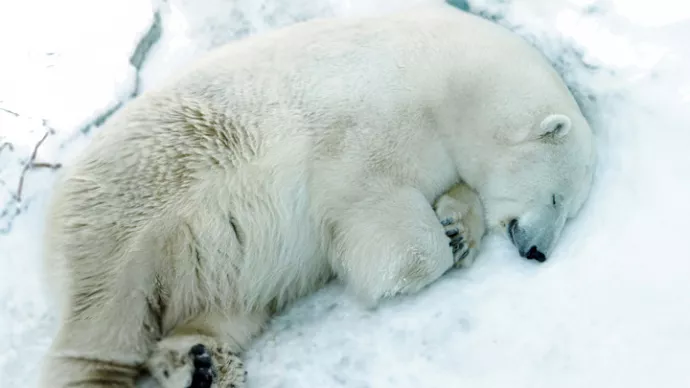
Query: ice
{"type": "Point", "coordinates": [609, 309]}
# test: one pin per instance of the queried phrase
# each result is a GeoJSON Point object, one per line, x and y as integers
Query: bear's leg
{"type": "Point", "coordinates": [461, 214]}
{"type": "Point", "coordinates": [388, 244]}
{"type": "Point", "coordinates": [204, 353]}
{"type": "Point", "coordinates": [100, 344]}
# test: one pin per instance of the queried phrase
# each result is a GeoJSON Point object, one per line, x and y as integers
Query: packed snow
{"type": "Point", "coordinates": [611, 308]}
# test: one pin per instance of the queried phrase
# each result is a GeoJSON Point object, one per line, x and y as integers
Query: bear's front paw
{"type": "Point", "coordinates": [460, 213]}
{"type": "Point", "coordinates": [175, 364]}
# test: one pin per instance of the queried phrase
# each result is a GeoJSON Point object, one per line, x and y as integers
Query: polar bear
{"type": "Point", "coordinates": [373, 150]}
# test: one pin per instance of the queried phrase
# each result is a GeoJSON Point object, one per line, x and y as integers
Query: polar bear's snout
{"type": "Point", "coordinates": [524, 245]}
{"type": "Point", "coordinates": [534, 240]}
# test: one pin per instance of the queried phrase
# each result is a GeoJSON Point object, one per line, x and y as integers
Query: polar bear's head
{"type": "Point", "coordinates": [537, 178]}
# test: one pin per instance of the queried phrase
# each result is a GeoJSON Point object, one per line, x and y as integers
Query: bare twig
{"type": "Point", "coordinates": [6, 145]}
{"type": "Point", "coordinates": [28, 165]}
{"type": "Point", "coordinates": [15, 114]}
{"type": "Point", "coordinates": [52, 166]}
{"type": "Point", "coordinates": [50, 129]}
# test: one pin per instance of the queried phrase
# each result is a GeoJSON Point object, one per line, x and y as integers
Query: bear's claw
{"type": "Point", "coordinates": [455, 232]}
{"type": "Point", "coordinates": [204, 373]}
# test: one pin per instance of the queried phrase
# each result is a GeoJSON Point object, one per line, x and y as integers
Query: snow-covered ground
{"type": "Point", "coordinates": [610, 309]}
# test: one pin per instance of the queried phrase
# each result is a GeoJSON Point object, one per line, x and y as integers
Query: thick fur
{"type": "Point", "coordinates": [283, 160]}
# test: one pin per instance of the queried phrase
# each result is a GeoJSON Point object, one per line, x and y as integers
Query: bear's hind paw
{"type": "Point", "coordinates": [177, 365]}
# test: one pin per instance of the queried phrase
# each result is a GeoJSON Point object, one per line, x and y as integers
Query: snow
{"type": "Point", "coordinates": [609, 309]}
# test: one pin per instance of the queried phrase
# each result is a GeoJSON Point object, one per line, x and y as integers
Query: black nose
{"type": "Point", "coordinates": [534, 253]}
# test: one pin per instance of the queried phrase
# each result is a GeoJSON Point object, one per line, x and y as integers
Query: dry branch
{"type": "Point", "coordinates": [28, 166]}
{"type": "Point", "coordinates": [15, 114]}
{"type": "Point", "coordinates": [6, 145]}
{"type": "Point", "coordinates": [52, 166]}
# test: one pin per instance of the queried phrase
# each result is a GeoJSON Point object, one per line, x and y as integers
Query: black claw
{"type": "Point", "coordinates": [203, 374]}
{"type": "Point", "coordinates": [197, 350]}
{"type": "Point", "coordinates": [447, 221]}
{"type": "Point", "coordinates": [467, 252]}
{"type": "Point", "coordinates": [203, 361]}
{"type": "Point", "coordinates": [457, 245]}
{"type": "Point", "coordinates": [202, 378]}
{"type": "Point", "coordinates": [452, 232]}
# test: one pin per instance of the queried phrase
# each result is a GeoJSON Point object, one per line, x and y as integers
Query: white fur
{"type": "Point", "coordinates": [281, 160]}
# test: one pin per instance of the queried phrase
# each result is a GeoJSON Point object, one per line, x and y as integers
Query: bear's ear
{"type": "Point", "coordinates": [554, 126]}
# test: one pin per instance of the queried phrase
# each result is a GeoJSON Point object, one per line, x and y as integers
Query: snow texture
{"type": "Point", "coordinates": [609, 309]}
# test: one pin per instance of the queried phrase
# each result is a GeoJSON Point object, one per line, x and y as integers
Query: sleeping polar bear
{"type": "Point", "coordinates": [333, 148]}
